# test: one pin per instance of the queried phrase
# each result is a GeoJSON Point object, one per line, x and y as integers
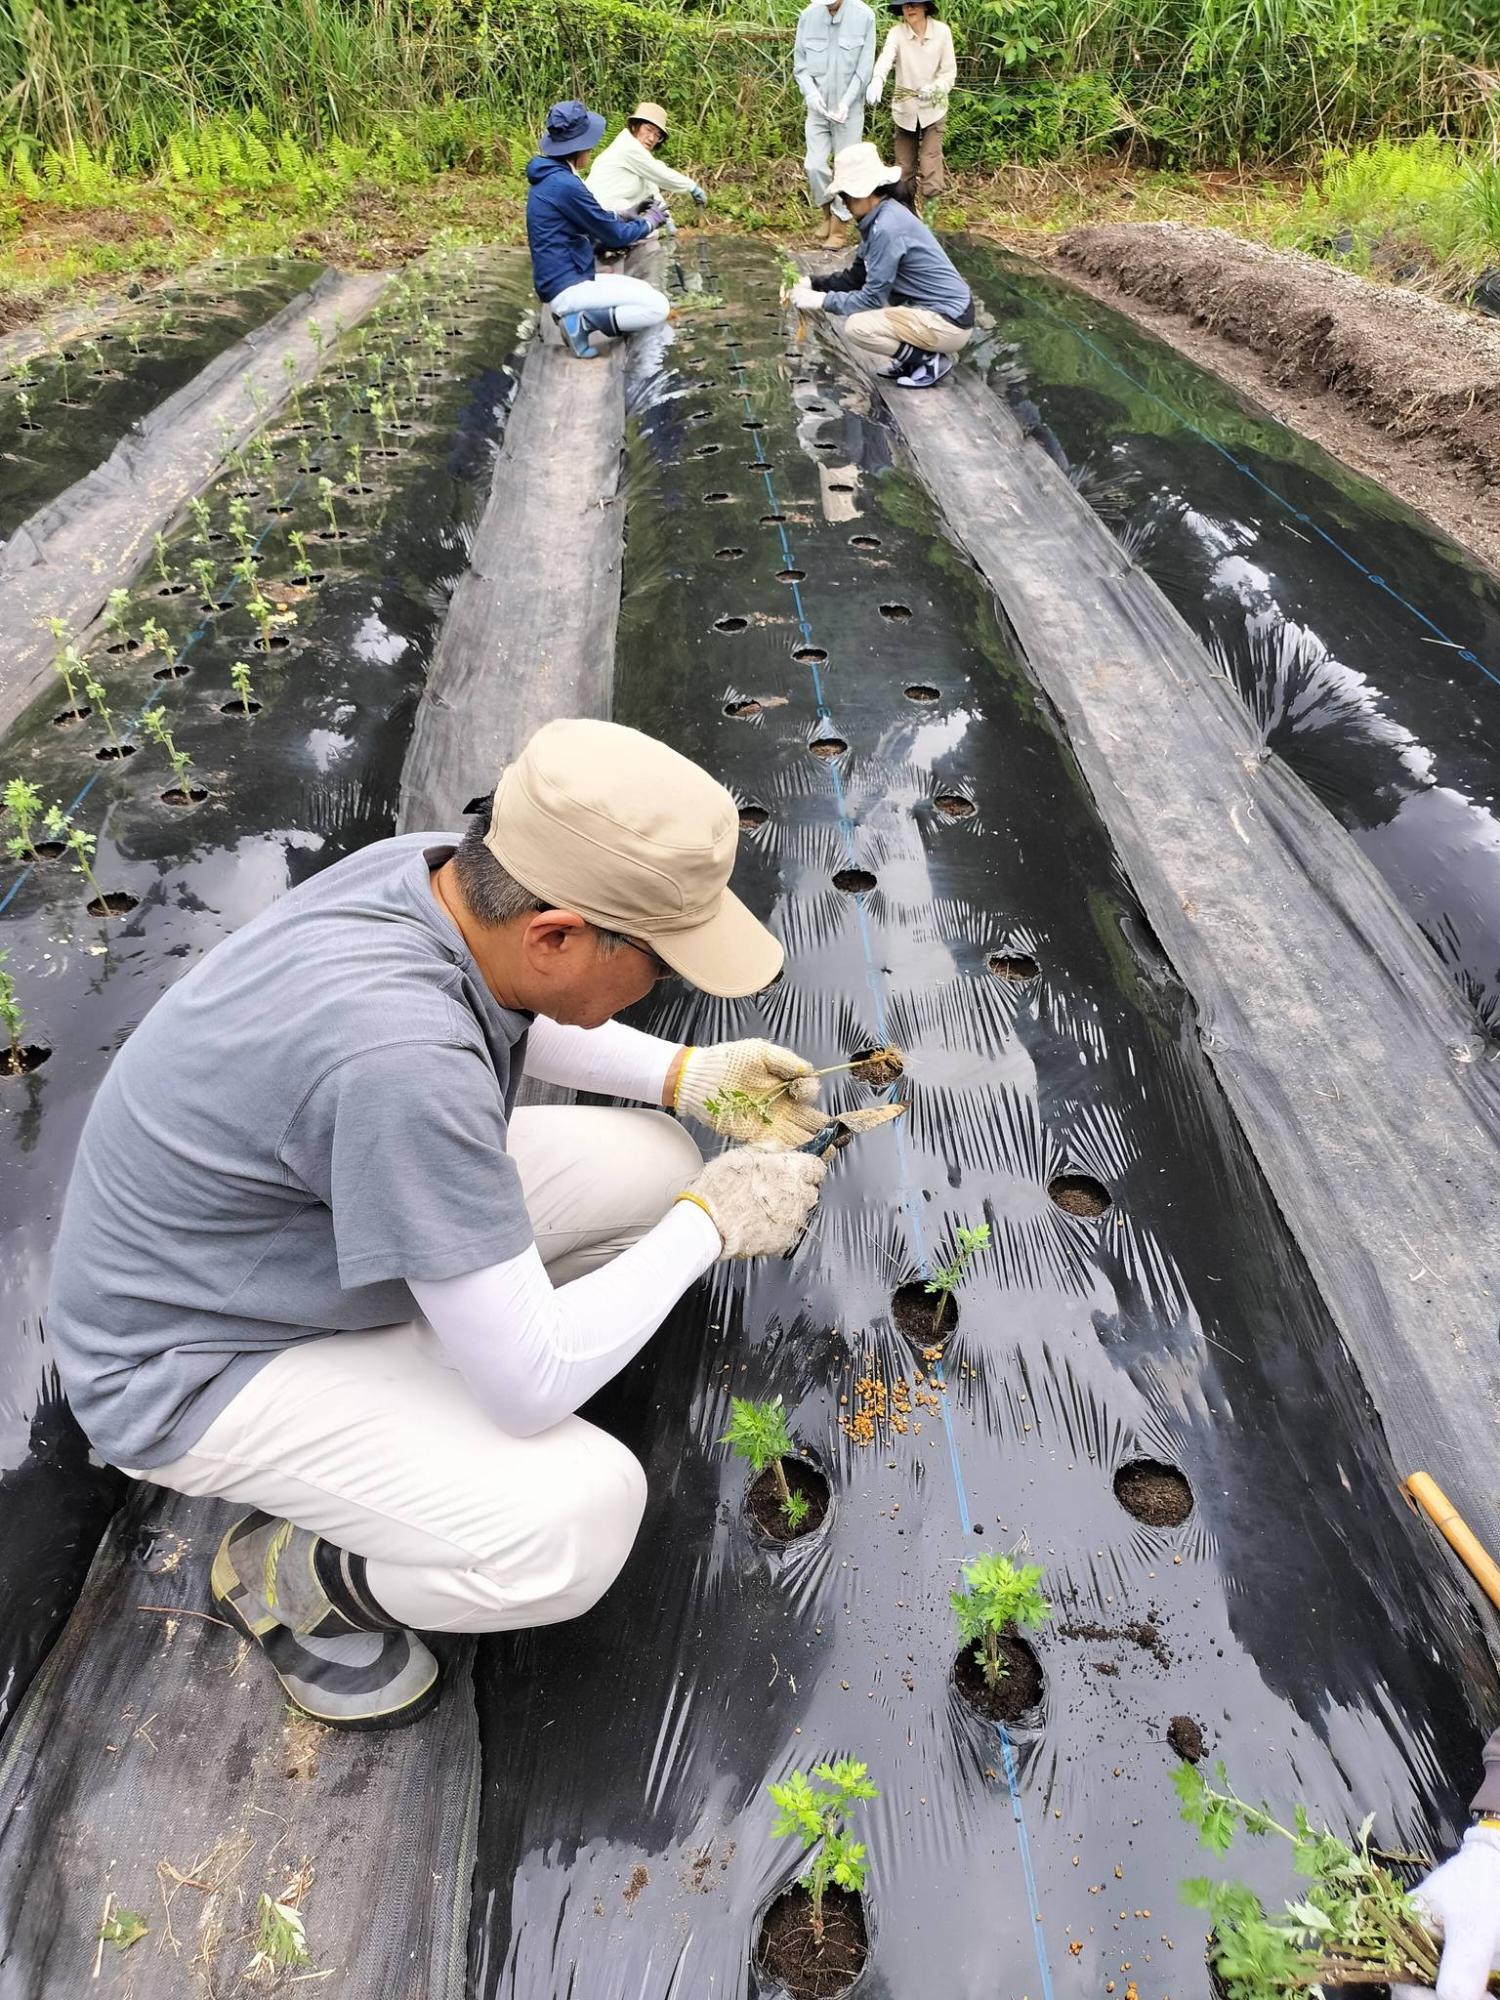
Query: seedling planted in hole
{"type": "Point", "coordinates": [201, 517]}
{"type": "Point", "coordinates": [758, 1433]}
{"type": "Point", "coordinates": [94, 692]}
{"type": "Point", "coordinates": [325, 494]}
{"type": "Point", "coordinates": [116, 606]}
{"type": "Point", "coordinates": [156, 639]}
{"type": "Point", "coordinates": [818, 1815]}
{"type": "Point", "coordinates": [298, 545]}
{"type": "Point", "coordinates": [1355, 1925]}
{"type": "Point", "coordinates": [78, 843]}
{"type": "Point", "coordinates": [204, 576]}
{"type": "Point", "coordinates": [22, 803]}
{"type": "Point", "coordinates": [239, 680]}
{"type": "Point", "coordinates": [13, 1021]}
{"type": "Point", "coordinates": [944, 1282]}
{"type": "Point", "coordinates": [154, 722]}
{"type": "Point", "coordinates": [999, 1597]}
{"type": "Point", "coordinates": [163, 567]}
{"type": "Point", "coordinates": [66, 662]}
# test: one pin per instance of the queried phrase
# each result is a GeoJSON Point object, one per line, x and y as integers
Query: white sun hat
{"type": "Point", "coordinates": [859, 170]}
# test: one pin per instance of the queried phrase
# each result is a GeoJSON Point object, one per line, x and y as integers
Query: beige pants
{"type": "Point", "coordinates": [373, 1440]}
{"type": "Point", "coordinates": [919, 155]}
{"type": "Point", "coordinates": [883, 331]}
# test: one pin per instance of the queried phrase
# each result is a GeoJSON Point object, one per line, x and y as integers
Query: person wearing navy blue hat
{"type": "Point", "coordinates": [565, 225]}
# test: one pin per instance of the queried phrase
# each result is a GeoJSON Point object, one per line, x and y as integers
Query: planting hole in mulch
{"type": "Point", "coordinates": [854, 881]}
{"type": "Point", "coordinates": [1015, 1695]}
{"type": "Point", "coordinates": [707, 450]}
{"type": "Point", "coordinates": [244, 709]}
{"type": "Point", "coordinates": [840, 486]}
{"type": "Point", "coordinates": [194, 795]}
{"type": "Point", "coordinates": [810, 656]}
{"type": "Point", "coordinates": [876, 1067]}
{"type": "Point", "coordinates": [114, 903]}
{"type": "Point", "coordinates": [787, 1951]}
{"type": "Point", "coordinates": [1016, 966]}
{"type": "Point", "coordinates": [23, 1061]}
{"type": "Point", "coordinates": [1079, 1194]}
{"type": "Point", "coordinates": [277, 643]}
{"type": "Point", "coordinates": [742, 711]}
{"type": "Point", "coordinates": [729, 555]}
{"type": "Point", "coordinates": [895, 612]}
{"type": "Point", "coordinates": [69, 716]}
{"type": "Point", "coordinates": [718, 499]}
{"type": "Point", "coordinates": [174, 670]}
{"type": "Point", "coordinates": [763, 1501]}
{"type": "Point", "coordinates": [48, 850]}
{"type": "Point", "coordinates": [864, 541]}
{"type": "Point", "coordinates": [134, 645]}
{"type": "Point", "coordinates": [753, 817]}
{"type": "Point", "coordinates": [915, 1311]}
{"type": "Point", "coordinates": [170, 589]}
{"type": "Point", "coordinates": [828, 746]}
{"type": "Point", "coordinates": [790, 575]}
{"type": "Point", "coordinates": [731, 622]}
{"type": "Point", "coordinates": [114, 753]}
{"type": "Point", "coordinates": [311, 576]}
{"type": "Point", "coordinates": [953, 805]}
{"type": "Point", "coordinates": [922, 691]}
{"type": "Point", "coordinates": [771, 520]}
{"type": "Point", "coordinates": [1155, 1493]}
{"type": "Point", "coordinates": [751, 424]}
{"type": "Point", "coordinates": [1186, 1738]}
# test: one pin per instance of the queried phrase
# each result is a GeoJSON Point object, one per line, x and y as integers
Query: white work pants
{"type": "Point", "coordinates": [824, 141]}
{"type": "Point", "coordinates": [373, 1439]}
{"type": "Point", "coordinates": [636, 305]}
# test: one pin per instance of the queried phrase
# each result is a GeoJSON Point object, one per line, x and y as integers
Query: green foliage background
{"type": "Point", "coordinates": [246, 92]}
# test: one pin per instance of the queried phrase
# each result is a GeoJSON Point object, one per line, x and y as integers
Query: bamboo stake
{"type": "Point", "coordinates": [1423, 1491]}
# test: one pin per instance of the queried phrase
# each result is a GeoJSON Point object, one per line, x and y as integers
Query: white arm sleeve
{"type": "Point", "coordinates": [532, 1353]}
{"type": "Point", "coordinates": [615, 1060]}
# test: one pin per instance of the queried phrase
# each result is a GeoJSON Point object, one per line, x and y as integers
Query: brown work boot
{"type": "Point", "coordinates": [826, 228]}
{"type": "Point", "coordinates": [836, 237]}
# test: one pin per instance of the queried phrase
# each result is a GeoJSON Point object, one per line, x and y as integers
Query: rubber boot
{"type": "Point", "coordinates": [577, 326]}
{"type": "Point", "coordinates": [307, 1605]}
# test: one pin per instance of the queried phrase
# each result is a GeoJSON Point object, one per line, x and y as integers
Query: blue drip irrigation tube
{"type": "Point", "coordinates": [1465, 653]}
{"type": "Point", "coordinates": [910, 1201]}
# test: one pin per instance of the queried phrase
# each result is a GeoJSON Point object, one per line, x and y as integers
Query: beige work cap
{"type": "Point", "coordinates": [614, 825]}
{"type": "Point", "coordinates": [652, 114]}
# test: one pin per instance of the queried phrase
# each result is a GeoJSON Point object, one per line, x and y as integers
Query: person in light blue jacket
{"type": "Point", "coordinates": [833, 62]}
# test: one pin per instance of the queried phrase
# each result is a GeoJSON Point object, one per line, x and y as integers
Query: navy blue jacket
{"type": "Point", "coordinates": [563, 224]}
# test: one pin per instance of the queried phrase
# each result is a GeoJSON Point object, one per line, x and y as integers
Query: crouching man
{"type": "Point", "coordinates": [901, 299]}
{"type": "Point", "coordinates": [314, 1262]}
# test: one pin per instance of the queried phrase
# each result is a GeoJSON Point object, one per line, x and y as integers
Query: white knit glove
{"type": "Point", "coordinates": [758, 1199]}
{"type": "Point", "coordinates": [751, 1092]}
{"type": "Point", "coordinates": [1462, 1900]}
{"type": "Point", "coordinates": [806, 298]}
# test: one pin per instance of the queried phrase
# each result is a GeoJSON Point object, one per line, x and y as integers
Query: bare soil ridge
{"type": "Point", "coordinates": [1401, 386]}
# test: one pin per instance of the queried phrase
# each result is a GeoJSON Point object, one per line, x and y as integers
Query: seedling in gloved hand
{"type": "Point", "coordinates": [1000, 1598]}
{"type": "Point", "coordinates": [22, 802]}
{"type": "Point", "coordinates": [943, 1283]}
{"type": "Point", "coordinates": [874, 1066]}
{"type": "Point", "coordinates": [818, 1815]}
{"type": "Point", "coordinates": [1354, 1924]}
{"type": "Point", "coordinates": [758, 1433]}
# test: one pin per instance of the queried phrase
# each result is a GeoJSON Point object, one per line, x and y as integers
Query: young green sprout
{"type": "Point", "coordinates": [156, 639]}
{"type": "Point", "coordinates": [95, 694]}
{"type": "Point", "coordinates": [203, 575]}
{"type": "Point", "coordinates": [818, 1813]}
{"type": "Point", "coordinates": [879, 1066]}
{"type": "Point", "coordinates": [239, 680]}
{"type": "Point", "coordinates": [67, 662]}
{"type": "Point", "coordinates": [22, 802]}
{"type": "Point", "coordinates": [378, 412]}
{"type": "Point", "coordinates": [280, 1938]}
{"type": "Point", "coordinates": [1353, 1923]}
{"type": "Point", "coordinates": [999, 1597]}
{"type": "Point", "coordinates": [239, 526]}
{"type": "Point", "coordinates": [163, 567]}
{"type": "Point", "coordinates": [24, 401]}
{"type": "Point", "coordinates": [967, 1243]}
{"type": "Point", "coordinates": [14, 1023]}
{"type": "Point", "coordinates": [758, 1433]}
{"type": "Point", "coordinates": [78, 843]}
{"type": "Point", "coordinates": [299, 550]}
{"type": "Point", "coordinates": [199, 511]}
{"type": "Point", "coordinates": [154, 722]}
{"type": "Point", "coordinates": [116, 606]}
{"type": "Point", "coordinates": [356, 462]}
{"type": "Point", "coordinates": [325, 494]}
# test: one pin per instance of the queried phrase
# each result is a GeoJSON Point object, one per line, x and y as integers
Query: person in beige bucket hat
{"type": "Point", "coordinates": [315, 1262]}
{"type": "Point", "coordinates": [629, 176]}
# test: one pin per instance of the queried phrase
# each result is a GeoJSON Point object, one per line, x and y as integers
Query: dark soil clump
{"type": "Point", "coordinates": [854, 881]}
{"type": "Point", "coordinates": [1143, 1632]}
{"type": "Point", "coordinates": [953, 805]}
{"type": "Point", "coordinates": [1015, 966]}
{"type": "Point", "coordinates": [787, 1950]}
{"type": "Point", "coordinates": [922, 691]}
{"type": "Point", "coordinates": [914, 1309]}
{"type": "Point", "coordinates": [877, 1067]}
{"type": "Point", "coordinates": [828, 746]}
{"type": "Point", "coordinates": [1186, 1738]}
{"type": "Point", "coordinates": [1154, 1493]}
{"type": "Point", "coordinates": [1078, 1194]}
{"type": "Point", "coordinates": [1015, 1696]}
{"type": "Point", "coordinates": [763, 1502]}
{"type": "Point", "coordinates": [752, 817]}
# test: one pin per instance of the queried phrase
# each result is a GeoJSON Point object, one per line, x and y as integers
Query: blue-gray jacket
{"type": "Point", "coordinates": [900, 263]}
{"type": "Point", "coordinates": [563, 224]}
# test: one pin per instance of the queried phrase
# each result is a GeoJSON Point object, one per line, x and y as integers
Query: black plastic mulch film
{"type": "Point", "coordinates": [1365, 644]}
{"type": "Point", "coordinates": [310, 775]}
{"type": "Point", "coordinates": [786, 589]}
{"type": "Point", "coordinates": [63, 411]}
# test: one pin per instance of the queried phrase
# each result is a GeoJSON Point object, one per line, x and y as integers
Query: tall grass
{"type": "Point", "coordinates": [1380, 202]}
{"type": "Point", "coordinates": [111, 85]}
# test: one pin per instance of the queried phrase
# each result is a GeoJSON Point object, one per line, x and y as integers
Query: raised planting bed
{"type": "Point", "coordinates": [1362, 641]}
{"type": "Point", "coordinates": [263, 675]}
{"type": "Point", "coordinates": [63, 410]}
{"type": "Point", "coordinates": [627, 1845]}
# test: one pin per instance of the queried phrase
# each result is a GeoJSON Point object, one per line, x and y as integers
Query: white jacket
{"type": "Point", "coordinates": [627, 173]}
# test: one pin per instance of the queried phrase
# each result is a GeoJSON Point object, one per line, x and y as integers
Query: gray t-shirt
{"type": "Point", "coordinates": [313, 1115]}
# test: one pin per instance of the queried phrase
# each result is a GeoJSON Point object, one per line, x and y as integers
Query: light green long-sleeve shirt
{"type": "Point", "coordinates": [627, 173]}
{"type": "Point", "coordinates": [835, 53]}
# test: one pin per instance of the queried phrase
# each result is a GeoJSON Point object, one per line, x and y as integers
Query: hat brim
{"type": "Point", "coordinates": [887, 178]}
{"type": "Point", "coordinates": [730, 956]}
{"type": "Point", "coordinates": [564, 149]}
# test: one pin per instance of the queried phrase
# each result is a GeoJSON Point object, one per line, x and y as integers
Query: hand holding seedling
{"type": "Point", "coordinates": [758, 1433]}
{"type": "Point", "coordinates": [999, 1598]}
{"type": "Point", "coordinates": [818, 1815]}
{"type": "Point", "coordinates": [751, 1092]}
{"type": "Point", "coordinates": [1354, 1924]}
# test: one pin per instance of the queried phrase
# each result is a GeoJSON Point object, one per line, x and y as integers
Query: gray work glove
{"type": "Point", "coordinates": [758, 1199]}
{"type": "Point", "coordinates": [751, 1092]}
{"type": "Point", "coordinates": [1462, 1901]}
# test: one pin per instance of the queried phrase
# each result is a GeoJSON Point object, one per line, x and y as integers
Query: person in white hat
{"type": "Point", "coordinates": [901, 300]}
{"type": "Point", "coordinates": [919, 49]}
{"type": "Point", "coordinates": [832, 63]}
{"type": "Point", "coordinates": [629, 176]}
{"type": "Point", "coordinates": [313, 1260]}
